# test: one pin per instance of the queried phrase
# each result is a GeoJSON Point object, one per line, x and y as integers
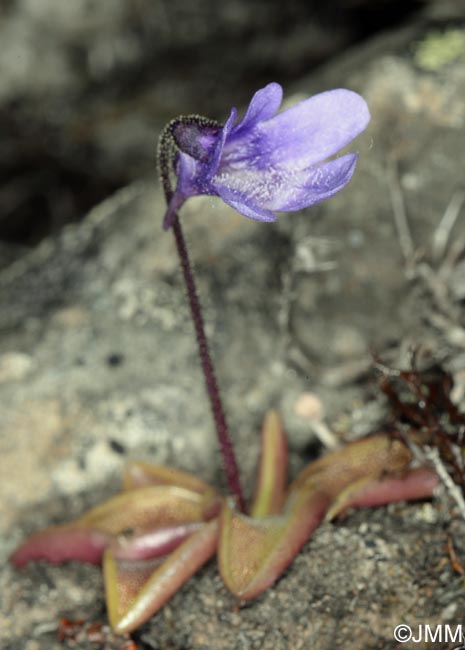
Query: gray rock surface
{"type": "Point", "coordinates": [98, 363]}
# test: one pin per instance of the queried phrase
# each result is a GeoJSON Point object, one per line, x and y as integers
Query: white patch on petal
{"type": "Point", "coordinates": [285, 188]}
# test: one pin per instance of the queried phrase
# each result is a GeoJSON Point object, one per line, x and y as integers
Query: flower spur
{"type": "Point", "coordinates": [166, 523]}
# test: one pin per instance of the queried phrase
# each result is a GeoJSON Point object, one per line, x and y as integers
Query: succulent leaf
{"type": "Point", "coordinates": [272, 469]}
{"type": "Point", "coordinates": [252, 553]}
{"type": "Point", "coordinates": [136, 590]}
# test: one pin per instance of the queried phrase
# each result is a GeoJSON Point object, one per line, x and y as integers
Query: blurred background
{"type": "Point", "coordinates": [86, 85]}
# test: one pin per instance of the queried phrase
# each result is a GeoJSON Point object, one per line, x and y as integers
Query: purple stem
{"type": "Point", "coordinates": [224, 440]}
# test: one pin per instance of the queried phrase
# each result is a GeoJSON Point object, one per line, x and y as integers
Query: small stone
{"type": "Point", "coordinates": [15, 366]}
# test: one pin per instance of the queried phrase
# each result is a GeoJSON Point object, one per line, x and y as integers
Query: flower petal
{"type": "Point", "coordinates": [319, 184]}
{"type": "Point", "coordinates": [264, 104]}
{"type": "Point", "coordinates": [241, 202]}
{"type": "Point", "coordinates": [227, 128]}
{"type": "Point", "coordinates": [256, 193]}
{"type": "Point", "coordinates": [310, 131]}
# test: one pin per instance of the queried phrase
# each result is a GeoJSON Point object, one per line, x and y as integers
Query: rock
{"type": "Point", "coordinates": [111, 371]}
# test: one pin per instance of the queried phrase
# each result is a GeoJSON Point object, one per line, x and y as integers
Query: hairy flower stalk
{"type": "Point", "coordinates": [227, 451]}
{"type": "Point", "coordinates": [269, 162]}
{"type": "Point", "coordinates": [224, 439]}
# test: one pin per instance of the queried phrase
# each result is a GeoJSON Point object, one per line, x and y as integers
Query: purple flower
{"type": "Point", "coordinates": [269, 161]}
